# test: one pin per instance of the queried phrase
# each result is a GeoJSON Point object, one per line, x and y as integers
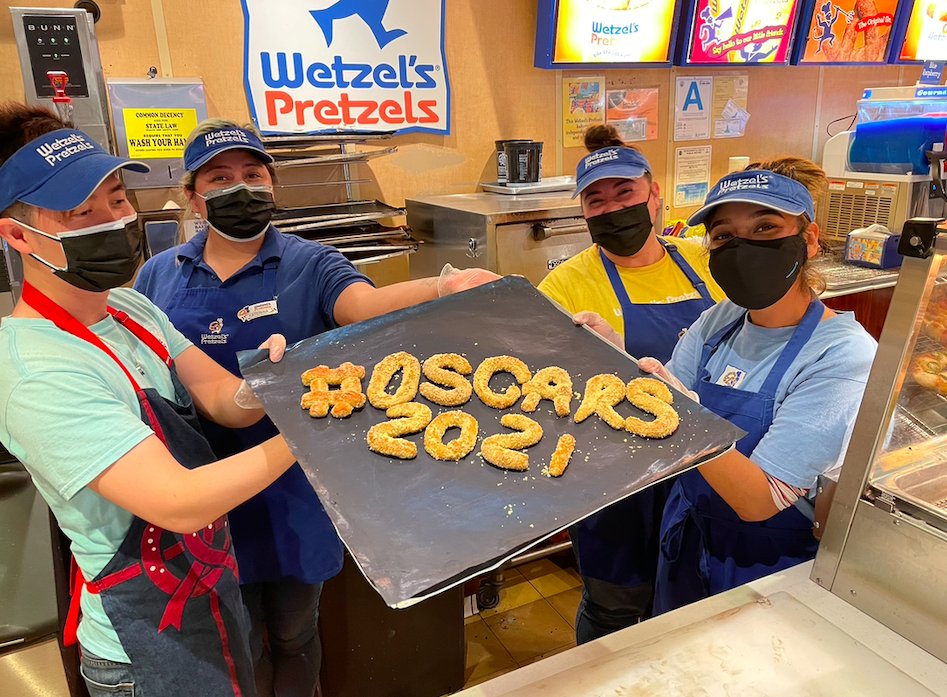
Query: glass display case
{"type": "Point", "coordinates": [884, 548]}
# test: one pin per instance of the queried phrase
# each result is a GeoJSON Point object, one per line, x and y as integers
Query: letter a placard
{"type": "Point", "coordinates": [692, 108]}
{"type": "Point", "coordinates": [327, 66]}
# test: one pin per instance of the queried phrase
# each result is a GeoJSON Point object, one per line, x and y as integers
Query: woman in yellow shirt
{"type": "Point", "coordinates": [649, 290]}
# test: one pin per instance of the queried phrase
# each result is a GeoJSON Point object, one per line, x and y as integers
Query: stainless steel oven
{"type": "Point", "coordinates": [525, 234]}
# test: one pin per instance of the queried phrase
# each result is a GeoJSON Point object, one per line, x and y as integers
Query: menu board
{"type": "Point", "coordinates": [926, 34]}
{"type": "Point", "coordinates": [741, 31]}
{"type": "Point", "coordinates": [602, 32]}
{"type": "Point", "coordinates": [849, 31]}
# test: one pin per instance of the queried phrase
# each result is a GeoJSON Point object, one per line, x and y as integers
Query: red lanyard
{"type": "Point", "coordinates": [49, 309]}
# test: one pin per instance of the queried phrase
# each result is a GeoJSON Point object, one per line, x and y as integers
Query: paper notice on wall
{"type": "Point", "coordinates": [729, 105]}
{"type": "Point", "coordinates": [691, 175]}
{"type": "Point", "coordinates": [633, 113]}
{"type": "Point", "coordinates": [692, 108]}
{"type": "Point", "coordinates": [155, 134]}
{"type": "Point", "coordinates": [583, 105]}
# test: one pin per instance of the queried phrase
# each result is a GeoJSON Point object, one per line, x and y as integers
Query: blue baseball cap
{"type": "Point", "coordinates": [761, 186]}
{"type": "Point", "coordinates": [58, 171]}
{"type": "Point", "coordinates": [614, 162]}
{"type": "Point", "coordinates": [208, 145]}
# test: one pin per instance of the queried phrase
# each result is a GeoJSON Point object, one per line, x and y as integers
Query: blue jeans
{"type": "Point", "coordinates": [104, 678]}
{"type": "Point", "coordinates": [284, 636]}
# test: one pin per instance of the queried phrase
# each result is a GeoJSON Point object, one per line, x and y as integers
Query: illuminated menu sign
{"type": "Point", "coordinates": [926, 35]}
{"type": "Point", "coordinates": [742, 31]}
{"type": "Point", "coordinates": [613, 31]}
{"type": "Point", "coordinates": [849, 31]}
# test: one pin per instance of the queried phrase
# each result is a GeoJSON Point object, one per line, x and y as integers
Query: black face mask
{"type": "Point", "coordinates": [240, 213]}
{"type": "Point", "coordinates": [98, 258]}
{"type": "Point", "coordinates": [623, 232]}
{"type": "Point", "coordinates": [756, 273]}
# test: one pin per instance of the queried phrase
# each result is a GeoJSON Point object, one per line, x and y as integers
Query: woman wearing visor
{"type": "Point", "coordinates": [230, 285]}
{"type": "Point", "coordinates": [96, 392]}
{"type": "Point", "coordinates": [777, 363]}
{"type": "Point", "coordinates": [650, 290]}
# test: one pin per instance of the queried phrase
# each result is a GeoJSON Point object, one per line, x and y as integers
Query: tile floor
{"type": "Point", "coordinates": [534, 619]}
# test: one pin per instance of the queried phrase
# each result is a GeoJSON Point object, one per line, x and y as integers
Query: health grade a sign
{"type": "Point", "coordinates": [312, 66]}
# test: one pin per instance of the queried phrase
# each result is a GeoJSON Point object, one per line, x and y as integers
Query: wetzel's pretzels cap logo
{"type": "Point", "coordinates": [208, 145]}
{"type": "Point", "coordinates": [760, 186]}
{"type": "Point", "coordinates": [614, 162]}
{"type": "Point", "coordinates": [58, 171]}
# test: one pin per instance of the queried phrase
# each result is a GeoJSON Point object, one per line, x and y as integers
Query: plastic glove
{"type": "Point", "coordinates": [244, 397]}
{"type": "Point", "coordinates": [600, 326]}
{"type": "Point", "coordinates": [656, 368]}
{"type": "Point", "coordinates": [454, 280]}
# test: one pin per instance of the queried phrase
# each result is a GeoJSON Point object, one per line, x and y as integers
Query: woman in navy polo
{"type": "Point", "coordinates": [228, 289]}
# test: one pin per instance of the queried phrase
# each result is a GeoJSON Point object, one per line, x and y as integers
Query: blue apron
{"type": "Point", "coordinates": [705, 547]}
{"type": "Point", "coordinates": [282, 532]}
{"type": "Point", "coordinates": [619, 544]}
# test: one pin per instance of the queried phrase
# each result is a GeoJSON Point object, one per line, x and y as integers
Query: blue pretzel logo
{"type": "Point", "coordinates": [372, 12]}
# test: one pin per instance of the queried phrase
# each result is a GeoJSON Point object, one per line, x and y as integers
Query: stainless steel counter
{"type": "Point", "coordinates": [506, 209]}
{"type": "Point", "coordinates": [780, 635]}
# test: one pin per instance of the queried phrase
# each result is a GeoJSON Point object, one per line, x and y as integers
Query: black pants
{"type": "Point", "coordinates": [286, 613]}
{"type": "Point", "coordinates": [606, 608]}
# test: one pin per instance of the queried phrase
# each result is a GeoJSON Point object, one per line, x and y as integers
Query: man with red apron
{"type": "Point", "coordinates": [174, 600]}
{"type": "Point", "coordinates": [97, 411]}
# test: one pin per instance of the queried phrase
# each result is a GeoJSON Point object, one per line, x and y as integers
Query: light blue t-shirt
{"type": "Point", "coordinates": [817, 399]}
{"type": "Point", "coordinates": [68, 414]}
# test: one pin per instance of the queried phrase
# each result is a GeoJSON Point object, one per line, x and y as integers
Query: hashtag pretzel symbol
{"type": "Point", "coordinates": [337, 388]}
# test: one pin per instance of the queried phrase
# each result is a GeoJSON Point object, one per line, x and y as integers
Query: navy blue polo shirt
{"type": "Point", "coordinates": [310, 277]}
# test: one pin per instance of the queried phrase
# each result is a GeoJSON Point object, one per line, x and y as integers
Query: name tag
{"type": "Point", "coordinates": [256, 310]}
{"type": "Point", "coordinates": [731, 377]}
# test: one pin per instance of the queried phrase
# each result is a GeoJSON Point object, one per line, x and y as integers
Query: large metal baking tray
{"type": "Point", "coordinates": [285, 160]}
{"type": "Point", "coordinates": [919, 489]}
{"type": "Point", "coordinates": [419, 526]}
{"type": "Point", "coordinates": [332, 215]}
{"type": "Point", "coordinates": [321, 140]}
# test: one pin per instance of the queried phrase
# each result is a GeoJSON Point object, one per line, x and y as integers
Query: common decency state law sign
{"type": "Point", "coordinates": [313, 66]}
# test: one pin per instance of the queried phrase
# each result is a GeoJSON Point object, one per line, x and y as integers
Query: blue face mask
{"type": "Point", "coordinates": [98, 258]}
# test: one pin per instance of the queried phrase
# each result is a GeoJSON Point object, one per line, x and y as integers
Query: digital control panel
{"type": "Point", "coordinates": [53, 44]}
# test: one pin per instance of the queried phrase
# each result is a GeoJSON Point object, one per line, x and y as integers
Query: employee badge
{"type": "Point", "coordinates": [732, 377]}
{"type": "Point", "coordinates": [261, 309]}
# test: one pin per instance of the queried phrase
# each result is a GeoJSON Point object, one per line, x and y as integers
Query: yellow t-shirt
{"type": "Point", "coordinates": [581, 283]}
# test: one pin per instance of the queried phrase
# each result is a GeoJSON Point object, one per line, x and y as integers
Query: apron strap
{"type": "Point", "coordinates": [621, 293]}
{"type": "Point", "coordinates": [801, 335]}
{"type": "Point", "coordinates": [55, 313]}
{"type": "Point", "coordinates": [688, 271]}
{"type": "Point", "coordinates": [142, 334]}
{"type": "Point", "coordinates": [71, 626]}
{"type": "Point", "coordinates": [711, 344]}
